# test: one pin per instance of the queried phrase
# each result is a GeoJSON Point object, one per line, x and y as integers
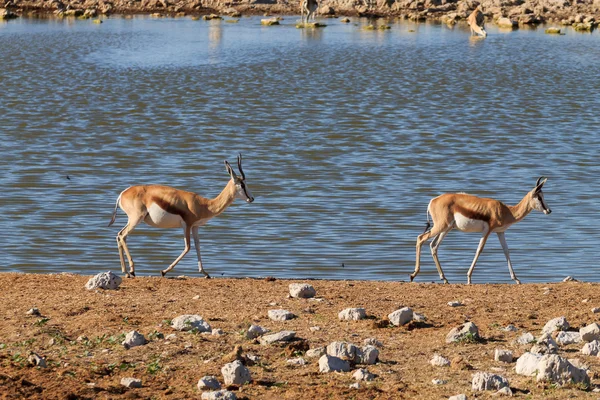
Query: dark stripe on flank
{"type": "Point", "coordinates": [167, 207]}
{"type": "Point", "coordinates": [470, 213]}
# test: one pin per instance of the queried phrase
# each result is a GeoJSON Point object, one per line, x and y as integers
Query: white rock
{"type": "Point", "coordinates": [196, 297]}
{"type": "Point", "coordinates": [104, 280]}
{"type": "Point", "coordinates": [401, 316]}
{"type": "Point", "coordinates": [505, 391]}
{"type": "Point", "coordinates": [455, 303]}
{"type": "Point", "coordinates": [556, 324]}
{"type": "Point", "coordinates": [209, 382]}
{"type": "Point", "coordinates": [373, 342]}
{"type": "Point", "coordinates": [503, 355]}
{"type": "Point", "coordinates": [302, 290]}
{"type": "Point", "coordinates": [439, 361]}
{"type": "Point", "coordinates": [486, 381]}
{"type": "Point", "coordinates": [565, 338]}
{"type": "Point", "coordinates": [219, 395]}
{"type": "Point", "coordinates": [569, 279]}
{"type": "Point", "coordinates": [131, 382]}
{"type": "Point", "coordinates": [34, 311]}
{"type": "Point", "coordinates": [590, 333]}
{"type": "Point", "coordinates": [525, 338]}
{"type": "Point", "coordinates": [314, 353]}
{"type": "Point", "coordinates": [419, 317]}
{"type": "Point", "coordinates": [352, 314]}
{"type": "Point", "coordinates": [36, 360]}
{"type": "Point", "coordinates": [463, 332]}
{"type": "Point", "coordinates": [438, 381]}
{"type": "Point", "coordinates": [596, 310]}
{"type": "Point", "coordinates": [458, 397]}
{"type": "Point", "coordinates": [329, 363]}
{"type": "Point", "coordinates": [133, 339]}
{"type": "Point", "coordinates": [283, 336]}
{"type": "Point", "coordinates": [235, 373]}
{"type": "Point", "coordinates": [545, 345]}
{"type": "Point", "coordinates": [591, 348]}
{"type": "Point", "coordinates": [280, 315]}
{"type": "Point", "coordinates": [367, 355]}
{"type": "Point", "coordinates": [527, 364]}
{"type": "Point", "coordinates": [510, 328]}
{"type": "Point", "coordinates": [171, 336]}
{"type": "Point", "coordinates": [314, 328]}
{"type": "Point", "coordinates": [255, 331]}
{"type": "Point", "coordinates": [190, 322]}
{"type": "Point", "coordinates": [343, 350]}
{"type": "Point", "coordinates": [555, 369]}
{"type": "Point", "coordinates": [217, 332]}
{"type": "Point", "coordinates": [363, 374]}
{"type": "Point", "coordinates": [355, 385]}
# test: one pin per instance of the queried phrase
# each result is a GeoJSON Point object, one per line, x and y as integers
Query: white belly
{"type": "Point", "coordinates": [159, 218]}
{"type": "Point", "coordinates": [469, 225]}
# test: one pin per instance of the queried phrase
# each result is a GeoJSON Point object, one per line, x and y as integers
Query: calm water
{"type": "Point", "coordinates": [346, 135]}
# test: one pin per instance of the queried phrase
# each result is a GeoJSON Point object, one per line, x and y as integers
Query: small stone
{"type": "Point", "coordinates": [104, 280]}
{"type": "Point", "coordinates": [280, 315]}
{"type": "Point", "coordinates": [299, 361]}
{"type": "Point", "coordinates": [171, 336]}
{"type": "Point", "coordinates": [329, 363]}
{"type": "Point", "coordinates": [345, 20]}
{"type": "Point", "coordinates": [510, 328]}
{"type": "Point", "coordinates": [363, 374]}
{"type": "Point", "coordinates": [302, 290]}
{"type": "Point", "coordinates": [352, 314]}
{"type": "Point", "coordinates": [486, 381]}
{"type": "Point", "coordinates": [556, 324]}
{"type": "Point", "coordinates": [37, 361]}
{"type": "Point", "coordinates": [197, 297]}
{"type": "Point", "coordinates": [217, 332]}
{"type": "Point", "coordinates": [565, 338]}
{"type": "Point", "coordinates": [525, 338]}
{"type": "Point", "coordinates": [189, 322]}
{"type": "Point", "coordinates": [373, 342]}
{"type": "Point", "coordinates": [505, 391]}
{"type": "Point", "coordinates": [34, 311]}
{"type": "Point", "coordinates": [209, 382]}
{"type": "Point", "coordinates": [569, 279]}
{"type": "Point", "coordinates": [401, 316]}
{"type": "Point", "coordinates": [219, 395]}
{"type": "Point", "coordinates": [314, 328]}
{"type": "Point", "coordinates": [284, 336]}
{"type": "Point", "coordinates": [591, 348]}
{"type": "Point", "coordinates": [466, 331]}
{"type": "Point", "coordinates": [419, 317]}
{"type": "Point", "coordinates": [133, 339]}
{"type": "Point", "coordinates": [355, 385]}
{"type": "Point", "coordinates": [131, 383]}
{"type": "Point", "coordinates": [503, 356]}
{"type": "Point", "coordinates": [315, 353]}
{"type": "Point", "coordinates": [458, 397]}
{"type": "Point", "coordinates": [235, 373]}
{"type": "Point", "coordinates": [255, 331]}
{"type": "Point", "coordinates": [439, 361]}
{"type": "Point", "coordinates": [438, 382]}
{"type": "Point", "coordinates": [596, 310]}
{"type": "Point", "coordinates": [455, 303]}
{"type": "Point", "coordinates": [545, 345]}
{"type": "Point", "coordinates": [342, 350]}
{"type": "Point", "coordinates": [367, 355]}
{"type": "Point", "coordinates": [590, 333]}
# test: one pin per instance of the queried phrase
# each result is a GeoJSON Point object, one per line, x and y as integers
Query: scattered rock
{"type": "Point", "coordinates": [465, 332]}
{"type": "Point", "coordinates": [269, 21]}
{"type": "Point", "coordinates": [527, 364]}
{"type": "Point", "coordinates": [255, 331]}
{"type": "Point", "coordinates": [343, 350]}
{"type": "Point", "coordinates": [329, 363]}
{"type": "Point", "coordinates": [525, 338]}
{"type": "Point", "coordinates": [219, 395]}
{"type": "Point", "coordinates": [503, 356]}
{"type": "Point", "coordinates": [553, 31]}
{"type": "Point", "coordinates": [314, 353]}
{"type": "Point", "coordinates": [401, 316]}
{"type": "Point", "coordinates": [569, 279]}
{"type": "Point", "coordinates": [104, 280]}
{"type": "Point", "coordinates": [133, 339]}
{"type": "Point", "coordinates": [217, 332]}
{"type": "Point", "coordinates": [299, 361]}
{"type": "Point", "coordinates": [209, 382]}
{"type": "Point", "coordinates": [455, 303]}
{"type": "Point", "coordinates": [363, 374]}
{"type": "Point", "coordinates": [596, 310]}
{"type": "Point", "coordinates": [283, 336]}
{"type": "Point", "coordinates": [556, 324]}
{"type": "Point", "coordinates": [506, 23]}
{"type": "Point", "coordinates": [439, 361]}
{"type": "Point", "coordinates": [419, 317]}
{"type": "Point", "coordinates": [171, 336]}
{"type": "Point", "coordinates": [190, 322]}
{"type": "Point", "coordinates": [131, 383]}
{"type": "Point", "coordinates": [302, 290]}
{"type": "Point", "coordinates": [36, 360]}
{"type": "Point", "coordinates": [510, 328]}
{"type": "Point", "coordinates": [352, 314]}
{"type": "Point", "coordinates": [590, 333]}
{"type": "Point", "coordinates": [545, 345]}
{"type": "Point", "coordinates": [373, 342]}
{"type": "Point", "coordinates": [591, 348]}
{"type": "Point", "coordinates": [505, 391]}
{"type": "Point", "coordinates": [314, 328]}
{"type": "Point", "coordinates": [438, 382]}
{"type": "Point", "coordinates": [355, 385]}
{"type": "Point", "coordinates": [34, 311]}
{"type": "Point", "coordinates": [458, 397]}
{"type": "Point", "coordinates": [280, 315]}
{"type": "Point", "coordinates": [367, 355]}
{"type": "Point", "coordinates": [555, 369]}
{"type": "Point", "coordinates": [235, 373]}
{"type": "Point", "coordinates": [345, 20]}
{"type": "Point", "coordinates": [486, 381]}
{"type": "Point", "coordinates": [565, 338]}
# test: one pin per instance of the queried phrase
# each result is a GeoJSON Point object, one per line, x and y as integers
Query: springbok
{"type": "Point", "coordinates": [309, 7]}
{"type": "Point", "coordinates": [475, 214]}
{"type": "Point", "coordinates": [476, 22]}
{"type": "Point", "coordinates": [166, 207]}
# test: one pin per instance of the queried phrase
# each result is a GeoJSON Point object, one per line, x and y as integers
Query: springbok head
{"type": "Point", "coordinates": [241, 189]}
{"type": "Point", "coordinates": [537, 196]}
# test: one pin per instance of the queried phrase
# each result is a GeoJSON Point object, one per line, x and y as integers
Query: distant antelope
{"type": "Point", "coordinates": [166, 207]}
{"type": "Point", "coordinates": [475, 214]}
{"type": "Point", "coordinates": [309, 7]}
{"type": "Point", "coordinates": [476, 22]}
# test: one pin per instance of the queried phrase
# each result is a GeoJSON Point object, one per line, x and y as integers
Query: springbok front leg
{"type": "Point", "coordinates": [197, 246]}
{"type": "Point", "coordinates": [485, 235]}
{"type": "Point", "coordinates": [122, 245]}
{"type": "Point", "coordinates": [186, 239]}
{"type": "Point", "coordinates": [506, 253]}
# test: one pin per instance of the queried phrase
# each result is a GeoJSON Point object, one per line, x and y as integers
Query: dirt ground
{"type": "Point", "coordinates": [92, 368]}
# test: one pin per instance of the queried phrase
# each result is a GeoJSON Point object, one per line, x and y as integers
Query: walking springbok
{"type": "Point", "coordinates": [476, 22]}
{"type": "Point", "coordinates": [475, 214]}
{"type": "Point", "coordinates": [166, 207]}
{"type": "Point", "coordinates": [309, 7]}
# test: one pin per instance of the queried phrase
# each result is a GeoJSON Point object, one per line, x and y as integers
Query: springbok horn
{"type": "Point", "coordinates": [240, 166]}
{"type": "Point", "coordinates": [538, 181]}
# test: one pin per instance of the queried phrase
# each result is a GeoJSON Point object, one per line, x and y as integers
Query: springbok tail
{"type": "Point", "coordinates": [428, 226]}
{"type": "Point", "coordinates": [114, 216]}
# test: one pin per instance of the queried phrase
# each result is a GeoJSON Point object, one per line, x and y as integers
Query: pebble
{"type": "Point", "coordinates": [131, 382]}
{"type": "Point", "coordinates": [455, 303]}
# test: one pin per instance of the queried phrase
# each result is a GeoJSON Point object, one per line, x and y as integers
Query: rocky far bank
{"type": "Point", "coordinates": [61, 337]}
{"type": "Point", "coordinates": [582, 14]}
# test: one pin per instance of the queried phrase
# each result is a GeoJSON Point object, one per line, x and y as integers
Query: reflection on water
{"type": "Point", "coordinates": [346, 134]}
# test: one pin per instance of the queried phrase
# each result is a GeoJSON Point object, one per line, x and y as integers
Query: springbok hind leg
{"type": "Point", "coordinates": [122, 245]}
{"type": "Point", "coordinates": [435, 244]}
{"type": "Point", "coordinates": [423, 238]}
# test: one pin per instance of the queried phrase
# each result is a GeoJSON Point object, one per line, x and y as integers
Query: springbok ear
{"type": "Point", "coordinates": [230, 170]}
{"type": "Point", "coordinates": [540, 183]}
